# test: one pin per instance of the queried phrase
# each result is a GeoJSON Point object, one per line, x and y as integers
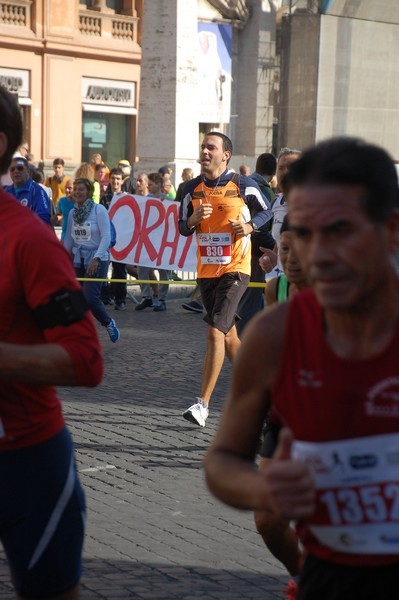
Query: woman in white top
{"type": "Point", "coordinates": [88, 239]}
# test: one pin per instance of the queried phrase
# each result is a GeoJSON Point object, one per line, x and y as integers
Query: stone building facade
{"type": "Point", "coordinates": [170, 124]}
{"type": "Point", "coordinates": [339, 72]}
{"type": "Point", "coordinates": [302, 71]}
{"type": "Point", "coordinates": [136, 79]}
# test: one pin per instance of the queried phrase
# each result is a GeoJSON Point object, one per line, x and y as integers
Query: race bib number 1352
{"type": "Point", "coordinates": [357, 486]}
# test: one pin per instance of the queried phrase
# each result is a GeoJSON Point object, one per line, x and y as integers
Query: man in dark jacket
{"type": "Point", "coordinates": [253, 298]}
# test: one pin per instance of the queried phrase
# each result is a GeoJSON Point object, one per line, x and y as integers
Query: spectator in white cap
{"type": "Point", "coordinates": [129, 183]}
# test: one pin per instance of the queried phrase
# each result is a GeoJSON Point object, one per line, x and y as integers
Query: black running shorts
{"type": "Point", "coordinates": [322, 580]}
{"type": "Point", "coordinates": [269, 439]}
{"type": "Point", "coordinates": [220, 297]}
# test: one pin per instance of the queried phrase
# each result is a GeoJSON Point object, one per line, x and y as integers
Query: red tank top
{"type": "Point", "coordinates": [343, 411]}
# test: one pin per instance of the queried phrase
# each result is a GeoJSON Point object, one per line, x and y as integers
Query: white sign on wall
{"type": "Point", "coordinates": [108, 92]}
{"type": "Point", "coordinates": [15, 81]}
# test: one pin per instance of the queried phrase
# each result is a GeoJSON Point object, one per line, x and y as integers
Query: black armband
{"type": "Point", "coordinates": [64, 308]}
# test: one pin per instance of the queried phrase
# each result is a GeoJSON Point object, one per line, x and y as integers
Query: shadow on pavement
{"type": "Point", "coordinates": [105, 579]}
{"type": "Point", "coordinates": [121, 579]}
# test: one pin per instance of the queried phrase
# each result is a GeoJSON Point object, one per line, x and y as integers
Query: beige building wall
{"type": "Point", "coordinates": [358, 81]}
{"type": "Point", "coordinates": [16, 60]}
{"type": "Point", "coordinates": [62, 102]}
{"type": "Point", "coordinates": [53, 45]}
{"type": "Point", "coordinates": [62, 113]}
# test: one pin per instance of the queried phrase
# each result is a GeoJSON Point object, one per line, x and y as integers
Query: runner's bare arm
{"type": "Point", "coordinates": [43, 363]}
{"type": "Point", "coordinates": [70, 355]}
{"type": "Point", "coordinates": [285, 487]}
{"type": "Point", "coordinates": [202, 211]}
{"type": "Point", "coordinates": [270, 291]}
{"type": "Point", "coordinates": [230, 469]}
{"type": "Point", "coordinates": [241, 228]}
{"type": "Point", "coordinates": [268, 260]}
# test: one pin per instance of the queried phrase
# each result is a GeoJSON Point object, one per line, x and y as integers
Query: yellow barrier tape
{"type": "Point", "coordinates": [252, 284]}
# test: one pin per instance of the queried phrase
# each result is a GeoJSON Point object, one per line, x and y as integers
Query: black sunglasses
{"type": "Point", "coordinates": [16, 169]}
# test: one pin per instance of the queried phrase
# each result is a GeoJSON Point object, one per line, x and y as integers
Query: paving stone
{"type": "Point", "coordinates": [154, 531]}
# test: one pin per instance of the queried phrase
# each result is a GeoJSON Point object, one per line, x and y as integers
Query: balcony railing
{"type": "Point", "coordinates": [124, 28]}
{"type": "Point", "coordinates": [89, 25]}
{"type": "Point", "coordinates": [16, 13]}
{"type": "Point", "coordinates": [118, 27]}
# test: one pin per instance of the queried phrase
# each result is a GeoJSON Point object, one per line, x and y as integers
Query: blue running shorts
{"type": "Point", "coordinates": [42, 517]}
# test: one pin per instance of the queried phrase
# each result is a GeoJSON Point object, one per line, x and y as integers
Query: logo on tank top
{"type": "Point", "coordinates": [322, 465]}
{"type": "Point", "coordinates": [308, 379]}
{"type": "Point", "coordinates": [383, 399]}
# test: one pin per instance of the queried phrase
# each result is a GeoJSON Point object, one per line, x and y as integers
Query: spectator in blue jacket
{"type": "Point", "coordinates": [25, 190]}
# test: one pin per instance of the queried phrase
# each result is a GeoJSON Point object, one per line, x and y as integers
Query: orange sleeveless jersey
{"type": "Point", "coordinates": [220, 250]}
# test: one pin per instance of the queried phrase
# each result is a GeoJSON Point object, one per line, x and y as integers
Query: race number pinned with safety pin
{"type": "Point", "coordinates": [81, 233]}
{"type": "Point", "coordinates": [215, 248]}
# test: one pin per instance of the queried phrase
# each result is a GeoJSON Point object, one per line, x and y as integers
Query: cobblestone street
{"type": "Point", "coordinates": [154, 531]}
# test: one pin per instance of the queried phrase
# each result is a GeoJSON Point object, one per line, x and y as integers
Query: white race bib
{"type": "Point", "coordinates": [215, 248]}
{"type": "Point", "coordinates": [357, 487]}
{"type": "Point", "coordinates": [81, 233]}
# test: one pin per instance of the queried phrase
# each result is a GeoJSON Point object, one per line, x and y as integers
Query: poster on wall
{"type": "Point", "coordinates": [214, 72]}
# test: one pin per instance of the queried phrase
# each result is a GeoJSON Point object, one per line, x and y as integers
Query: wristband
{"type": "Point", "coordinates": [253, 225]}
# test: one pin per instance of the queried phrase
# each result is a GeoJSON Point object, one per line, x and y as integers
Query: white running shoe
{"type": "Point", "coordinates": [197, 413]}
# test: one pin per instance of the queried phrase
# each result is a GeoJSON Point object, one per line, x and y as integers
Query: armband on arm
{"type": "Point", "coordinates": [64, 308]}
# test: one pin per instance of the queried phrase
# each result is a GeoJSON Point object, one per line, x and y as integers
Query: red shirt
{"type": "Point", "coordinates": [33, 266]}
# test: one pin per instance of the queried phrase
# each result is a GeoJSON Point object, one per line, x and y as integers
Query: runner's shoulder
{"type": "Point", "coordinates": [271, 291]}
{"type": "Point", "coordinates": [249, 187]}
{"type": "Point", "coordinates": [248, 181]}
{"type": "Point", "coordinates": [190, 186]}
{"type": "Point", "coordinates": [264, 336]}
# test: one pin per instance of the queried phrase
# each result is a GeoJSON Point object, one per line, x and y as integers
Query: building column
{"type": "Point", "coordinates": [128, 8]}
{"type": "Point", "coordinates": [255, 97]}
{"type": "Point", "coordinates": [168, 115]}
{"type": "Point", "coordinates": [100, 6]}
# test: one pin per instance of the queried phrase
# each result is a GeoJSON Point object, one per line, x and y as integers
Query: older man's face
{"type": "Point", "coordinates": [19, 172]}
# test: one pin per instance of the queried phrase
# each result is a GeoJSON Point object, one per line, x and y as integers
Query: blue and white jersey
{"type": "Point", "coordinates": [33, 196]}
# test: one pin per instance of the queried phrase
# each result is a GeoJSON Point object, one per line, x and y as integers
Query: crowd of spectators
{"type": "Point", "coordinates": [53, 197]}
